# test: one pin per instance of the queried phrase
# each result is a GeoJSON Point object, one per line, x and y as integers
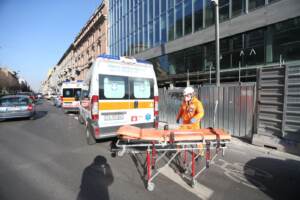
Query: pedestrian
{"type": "Point", "coordinates": [191, 110]}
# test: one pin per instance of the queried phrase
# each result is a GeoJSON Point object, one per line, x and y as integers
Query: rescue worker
{"type": "Point", "coordinates": [191, 110]}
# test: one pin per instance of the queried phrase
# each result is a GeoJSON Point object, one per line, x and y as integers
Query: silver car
{"type": "Point", "coordinates": [16, 106]}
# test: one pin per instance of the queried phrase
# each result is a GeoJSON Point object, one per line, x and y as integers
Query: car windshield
{"type": "Point", "coordinates": [14, 101]}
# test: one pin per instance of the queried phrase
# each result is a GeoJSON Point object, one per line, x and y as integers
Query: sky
{"type": "Point", "coordinates": [34, 34]}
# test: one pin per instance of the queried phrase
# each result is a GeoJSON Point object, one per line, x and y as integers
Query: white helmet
{"type": "Point", "coordinates": [188, 90]}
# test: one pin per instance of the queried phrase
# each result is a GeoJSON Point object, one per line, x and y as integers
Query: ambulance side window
{"type": "Point", "coordinates": [141, 88]}
{"type": "Point", "coordinates": [113, 87]}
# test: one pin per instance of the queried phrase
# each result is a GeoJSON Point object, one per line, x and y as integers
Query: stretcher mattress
{"type": "Point", "coordinates": [150, 134]}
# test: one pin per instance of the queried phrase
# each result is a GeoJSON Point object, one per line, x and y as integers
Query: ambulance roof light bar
{"type": "Point", "coordinates": [126, 59]}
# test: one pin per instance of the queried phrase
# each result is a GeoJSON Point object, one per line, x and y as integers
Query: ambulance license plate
{"type": "Point", "coordinates": [112, 117]}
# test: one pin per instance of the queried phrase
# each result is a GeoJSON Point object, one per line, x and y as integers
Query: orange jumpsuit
{"type": "Point", "coordinates": [192, 109]}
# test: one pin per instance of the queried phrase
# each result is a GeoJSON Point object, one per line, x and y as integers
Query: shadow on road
{"type": "Point", "coordinates": [40, 114]}
{"type": "Point", "coordinates": [95, 180]}
{"type": "Point", "coordinates": [279, 179]}
{"type": "Point", "coordinates": [141, 167]}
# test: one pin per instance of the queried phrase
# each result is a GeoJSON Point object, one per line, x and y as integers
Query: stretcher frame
{"type": "Point", "coordinates": [156, 151]}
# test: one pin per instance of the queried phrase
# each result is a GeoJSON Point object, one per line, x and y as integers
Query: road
{"type": "Point", "coordinates": [48, 158]}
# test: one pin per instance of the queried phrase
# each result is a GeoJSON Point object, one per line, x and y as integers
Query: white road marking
{"type": "Point", "coordinates": [199, 190]}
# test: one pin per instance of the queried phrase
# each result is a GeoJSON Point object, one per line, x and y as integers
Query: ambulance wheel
{"type": "Point", "coordinates": [150, 186]}
{"type": "Point", "coordinates": [89, 137]}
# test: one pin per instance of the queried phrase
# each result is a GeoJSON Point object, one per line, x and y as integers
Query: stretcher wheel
{"type": "Point", "coordinates": [150, 186]}
{"type": "Point", "coordinates": [193, 183]}
{"type": "Point", "coordinates": [113, 154]}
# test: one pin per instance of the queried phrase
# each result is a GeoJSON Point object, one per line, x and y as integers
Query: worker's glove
{"type": "Point", "coordinates": [193, 120]}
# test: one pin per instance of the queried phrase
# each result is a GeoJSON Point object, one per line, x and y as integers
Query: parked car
{"type": "Point", "coordinates": [16, 106]}
{"type": "Point", "coordinates": [30, 94]}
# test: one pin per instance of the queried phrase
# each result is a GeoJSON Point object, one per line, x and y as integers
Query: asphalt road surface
{"type": "Point", "coordinates": [48, 158]}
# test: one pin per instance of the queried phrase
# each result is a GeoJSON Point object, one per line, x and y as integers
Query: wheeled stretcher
{"type": "Point", "coordinates": [180, 144]}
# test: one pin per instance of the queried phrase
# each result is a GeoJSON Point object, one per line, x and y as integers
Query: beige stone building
{"type": "Point", "coordinates": [90, 42]}
{"type": "Point", "coordinates": [8, 81]}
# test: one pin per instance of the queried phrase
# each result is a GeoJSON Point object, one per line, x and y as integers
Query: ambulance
{"type": "Point", "coordinates": [120, 91]}
{"type": "Point", "coordinates": [70, 95]}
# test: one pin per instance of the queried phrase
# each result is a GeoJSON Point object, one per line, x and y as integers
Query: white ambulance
{"type": "Point", "coordinates": [70, 95]}
{"type": "Point", "coordinates": [120, 91]}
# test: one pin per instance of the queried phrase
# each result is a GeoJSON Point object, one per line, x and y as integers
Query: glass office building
{"type": "Point", "coordinates": [177, 36]}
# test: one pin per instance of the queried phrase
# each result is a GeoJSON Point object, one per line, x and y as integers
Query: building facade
{"type": "Point", "coordinates": [87, 45]}
{"type": "Point", "coordinates": [9, 81]}
{"type": "Point", "coordinates": [177, 36]}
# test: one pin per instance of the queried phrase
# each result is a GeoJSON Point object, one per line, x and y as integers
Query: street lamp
{"type": "Point", "coordinates": [217, 38]}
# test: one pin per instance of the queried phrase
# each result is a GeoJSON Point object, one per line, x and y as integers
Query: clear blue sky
{"type": "Point", "coordinates": [34, 34]}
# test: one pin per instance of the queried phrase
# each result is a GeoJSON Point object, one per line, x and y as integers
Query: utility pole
{"type": "Point", "coordinates": [217, 38]}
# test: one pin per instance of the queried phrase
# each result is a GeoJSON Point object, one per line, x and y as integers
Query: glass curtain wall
{"type": "Point", "coordinates": [137, 25]}
{"type": "Point", "coordinates": [242, 50]}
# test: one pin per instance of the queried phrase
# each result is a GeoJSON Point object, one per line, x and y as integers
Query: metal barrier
{"type": "Point", "coordinates": [230, 107]}
{"type": "Point", "coordinates": [278, 111]}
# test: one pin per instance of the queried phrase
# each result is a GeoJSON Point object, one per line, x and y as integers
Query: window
{"type": "Point", "coordinates": [140, 43]}
{"type": "Point", "coordinates": [198, 15]}
{"type": "Point", "coordinates": [163, 28]}
{"type": "Point", "coordinates": [145, 12]}
{"type": "Point", "coordinates": [142, 88]}
{"type": "Point", "coordinates": [145, 43]}
{"type": "Point", "coordinates": [256, 4]}
{"type": "Point", "coordinates": [113, 87]}
{"type": "Point", "coordinates": [163, 6]}
{"type": "Point", "coordinates": [150, 11]}
{"type": "Point", "coordinates": [224, 53]}
{"type": "Point", "coordinates": [157, 31]}
{"type": "Point", "coordinates": [238, 7]}
{"type": "Point", "coordinates": [170, 3]}
{"type": "Point", "coordinates": [209, 13]}
{"type": "Point", "coordinates": [156, 7]}
{"type": "Point", "coordinates": [140, 15]}
{"type": "Point", "coordinates": [77, 92]}
{"type": "Point", "coordinates": [15, 101]}
{"type": "Point", "coordinates": [68, 92]}
{"type": "Point", "coordinates": [151, 34]}
{"type": "Point", "coordinates": [171, 25]}
{"type": "Point", "coordinates": [286, 42]}
{"type": "Point", "coordinates": [179, 24]}
{"type": "Point", "coordinates": [176, 63]}
{"type": "Point", "coordinates": [188, 16]}
{"type": "Point", "coordinates": [193, 60]}
{"type": "Point", "coordinates": [254, 47]}
{"type": "Point", "coordinates": [223, 10]}
{"type": "Point", "coordinates": [84, 94]}
{"type": "Point", "coordinates": [136, 47]}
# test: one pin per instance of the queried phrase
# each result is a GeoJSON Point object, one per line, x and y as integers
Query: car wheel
{"type": "Point", "coordinates": [89, 137]}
